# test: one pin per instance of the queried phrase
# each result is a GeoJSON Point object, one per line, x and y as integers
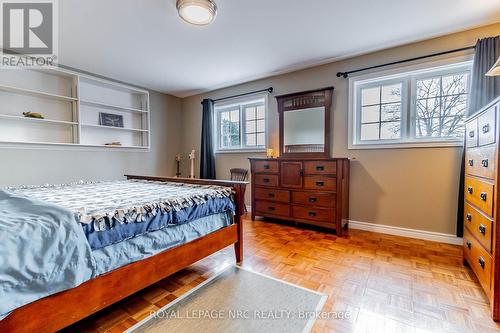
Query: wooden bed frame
{"type": "Point", "coordinates": [60, 310]}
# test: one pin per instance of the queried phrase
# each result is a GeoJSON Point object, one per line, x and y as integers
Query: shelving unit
{"type": "Point", "coordinates": [71, 103]}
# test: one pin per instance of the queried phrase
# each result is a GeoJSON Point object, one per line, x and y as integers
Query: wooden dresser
{"type": "Point", "coordinates": [311, 191]}
{"type": "Point", "coordinates": [481, 213]}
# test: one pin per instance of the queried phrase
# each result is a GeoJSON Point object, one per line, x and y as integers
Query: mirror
{"type": "Point", "coordinates": [304, 123]}
{"type": "Point", "coordinates": [304, 130]}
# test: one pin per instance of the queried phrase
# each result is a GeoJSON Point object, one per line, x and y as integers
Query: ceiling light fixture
{"type": "Point", "coordinates": [197, 12]}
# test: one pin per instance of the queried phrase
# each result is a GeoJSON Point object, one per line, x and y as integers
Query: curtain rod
{"type": "Point", "coordinates": [346, 74]}
{"type": "Point", "coordinates": [269, 90]}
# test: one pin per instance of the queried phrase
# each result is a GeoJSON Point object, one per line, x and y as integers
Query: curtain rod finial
{"type": "Point", "coordinates": [343, 74]}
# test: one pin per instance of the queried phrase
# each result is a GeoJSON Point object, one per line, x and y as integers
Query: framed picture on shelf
{"type": "Point", "coordinates": [110, 119]}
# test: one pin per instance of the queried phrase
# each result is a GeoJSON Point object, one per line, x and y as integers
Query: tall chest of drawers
{"type": "Point", "coordinates": [312, 191]}
{"type": "Point", "coordinates": [481, 213]}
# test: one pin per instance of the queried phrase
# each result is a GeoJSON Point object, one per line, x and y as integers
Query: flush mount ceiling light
{"type": "Point", "coordinates": [197, 12]}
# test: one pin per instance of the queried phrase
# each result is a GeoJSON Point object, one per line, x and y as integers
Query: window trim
{"type": "Point", "coordinates": [407, 74]}
{"type": "Point", "coordinates": [227, 104]}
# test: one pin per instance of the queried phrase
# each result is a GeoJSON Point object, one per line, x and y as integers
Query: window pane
{"type": "Point", "coordinates": [235, 115]}
{"type": "Point", "coordinates": [455, 84]}
{"type": "Point", "coordinates": [370, 114]}
{"type": "Point", "coordinates": [224, 116]}
{"type": "Point", "coordinates": [454, 105]}
{"type": "Point", "coordinates": [370, 96]}
{"type": "Point", "coordinates": [427, 127]}
{"type": "Point", "coordinates": [250, 126]}
{"type": "Point", "coordinates": [250, 113]}
{"type": "Point", "coordinates": [390, 130]}
{"type": "Point", "coordinates": [235, 140]}
{"type": "Point", "coordinates": [370, 131]}
{"type": "Point", "coordinates": [390, 112]}
{"type": "Point", "coordinates": [251, 139]}
{"type": "Point", "coordinates": [429, 108]}
{"type": "Point", "coordinates": [261, 112]}
{"type": "Point", "coordinates": [453, 127]}
{"type": "Point", "coordinates": [261, 139]}
{"type": "Point", "coordinates": [392, 93]}
{"type": "Point", "coordinates": [428, 88]}
{"type": "Point", "coordinates": [261, 126]}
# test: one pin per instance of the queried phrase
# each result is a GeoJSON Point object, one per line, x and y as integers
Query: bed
{"type": "Point", "coordinates": [135, 235]}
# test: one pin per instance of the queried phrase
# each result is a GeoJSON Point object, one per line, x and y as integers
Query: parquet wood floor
{"type": "Point", "coordinates": [386, 283]}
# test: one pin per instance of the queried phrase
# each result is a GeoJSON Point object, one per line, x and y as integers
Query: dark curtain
{"type": "Point", "coordinates": [483, 89]}
{"type": "Point", "coordinates": [207, 155]}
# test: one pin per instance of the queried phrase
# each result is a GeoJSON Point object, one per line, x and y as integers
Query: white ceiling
{"type": "Point", "coordinates": [144, 42]}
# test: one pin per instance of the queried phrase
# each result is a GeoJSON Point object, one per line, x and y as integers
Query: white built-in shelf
{"type": "Point", "coordinates": [37, 93]}
{"type": "Point", "coordinates": [115, 128]}
{"type": "Point", "coordinates": [111, 106]}
{"type": "Point", "coordinates": [47, 121]}
{"type": "Point", "coordinates": [81, 127]}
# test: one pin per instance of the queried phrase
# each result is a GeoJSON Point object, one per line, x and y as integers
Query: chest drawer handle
{"type": "Point", "coordinates": [266, 166]}
{"type": "Point", "coordinates": [484, 163]}
{"type": "Point", "coordinates": [265, 180]}
{"type": "Point", "coordinates": [483, 196]}
{"type": "Point", "coordinates": [312, 199]}
{"type": "Point", "coordinates": [271, 195]}
{"type": "Point", "coordinates": [471, 162]}
{"type": "Point", "coordinates": [482, 229]}
{"type": "Point", "coordinates": [481, 262]}
{"type": "Point", "coordinates": [469, 244]}
{"type": "Point", "coordinates": [312, 214]}
{"type": "Point", "coordinates": [272, 209]}
{"type": "Point", "coordinates": [471, 134]}
{"type": "Point", "coordinates": [486, 128]}
{"type": "Point", "coordinates": [320, 183]}
{"type": "Point", "coordinates": [469, 217]}
{"type": "Point", "coordinates": [469, 189]}
{"type": "Point", "coordinates": [320, 168]}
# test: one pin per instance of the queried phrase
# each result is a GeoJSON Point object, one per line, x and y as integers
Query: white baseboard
{"type": "Point", "coordinates": [405, 232]}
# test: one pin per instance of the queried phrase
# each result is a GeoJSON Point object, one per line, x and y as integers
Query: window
{"type": "Point", "coordinates": [414, 108]}
{"type": "Point", "coordinates": [241, 125]}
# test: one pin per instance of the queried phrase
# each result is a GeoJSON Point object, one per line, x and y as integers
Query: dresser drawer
{"type": "Point", "coordinates": [471, 134]}
{"type": "Point", "coordinates": [481, 162]}
{"type": "Point", "coordinates": [480, 194]}
{"type": "Point", "coordinates": [272, 195]}
{"type": "Point", "coordinates": [479, 260]}
{"type": "Point", "coordinates": [320, 168]}
{"type": "Point", "coordinates": [478, 225]}
{"type": "Point", "coordinates": [266, 166]}
{"type": "Point", "coordinates": [272, 208]}
{"type": "Point", "coordinates": [486, 127]}
{"type": "Point", "coordinates": [266, 180]}
{"type": "Point", "coordinates": [314, 199]}
{"type": "Point", "coordinates": [313, 213]}
{"type": "Point", "coordinates": [321, 183]}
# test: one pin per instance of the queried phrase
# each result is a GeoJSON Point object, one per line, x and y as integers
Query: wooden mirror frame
{"type": "Point", "coordinates": [304, 100]}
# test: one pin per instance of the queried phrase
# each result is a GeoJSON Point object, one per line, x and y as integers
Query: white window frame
{"type": "Point", "coordinates": [241, 101]}
{"type": "Point", "coordinates": [408, 76]}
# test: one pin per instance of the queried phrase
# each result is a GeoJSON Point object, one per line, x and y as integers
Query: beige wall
{"type": "Point", "coordinates": [39, 166]}
{"type": "Point", "coordinates": [410, 188]}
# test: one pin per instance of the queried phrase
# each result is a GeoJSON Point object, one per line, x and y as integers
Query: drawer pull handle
{"type": "Point", "coordinates": [312, 214]}
{"type": "Point", "coordinates": [469, 244]}
{"type": "Point", "coordinates": [265, 180]}
{"type": "Point", "coordinates": [312, 199]}
{"type": "Point", "coordinates": [486, 128]}
{"type": "Point", "coordinates": [266, 166]}
{"type": "Point", "coordinates": [484, 163]}
{"type": "Point", "coordinates": [320, 168]}
{"type": "Point", "coordinates": [471, 134]}
{"type": "Point", "coordinates": [483, 196]}
{"type": "Point", "coordinates": [481, 262]}
{"type": "Point", "coordinates": [471, 162]}
{"type": "Point", "coordinates": [482, 229]}
{"type": "Point", "coordinates": [469, 189]}
{"type": "Point", "coordinates": [271, 195]}
{"type": "Point", "coordinates": [469, 217]}
{"type": "Point", "coordinates": [270, 208]}
{"type": "Point", "coordinates": [320, 183]}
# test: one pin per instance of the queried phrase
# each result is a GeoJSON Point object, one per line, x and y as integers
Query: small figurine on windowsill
{"type": "Point", "coordinates": [178, 159]}
{"type": "Point", "coordinates": [30, 114]}
{"type": "Point", "coordinates": [192, 157]}
{"type": "Point", "coordinates": [114, 144]}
